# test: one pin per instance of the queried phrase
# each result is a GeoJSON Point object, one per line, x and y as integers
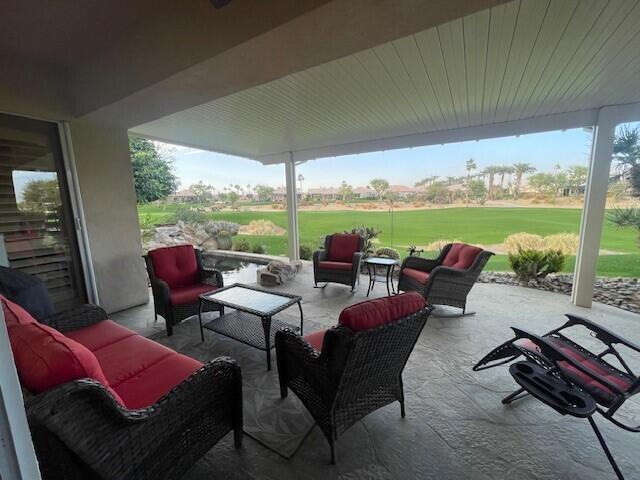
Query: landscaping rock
{"type": "Point", "coordinates": [619, 292]}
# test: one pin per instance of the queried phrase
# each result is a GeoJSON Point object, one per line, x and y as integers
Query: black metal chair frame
{"type": "Point", "coordinates": [345, 277]}
{"type": "Point", "coordinates": [81, 432]}
{"type": "Point", "coordinates": [174, 314]}
{"type": "Point", "coordinates": [354, 375]}
{"type": "Point", "coordinates": [550, 356]}
{"type": "Point", "coordinates": [446, 285]}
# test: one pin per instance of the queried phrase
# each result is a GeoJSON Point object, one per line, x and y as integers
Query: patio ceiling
{"type": "Point", "coordinates": [520, 60]}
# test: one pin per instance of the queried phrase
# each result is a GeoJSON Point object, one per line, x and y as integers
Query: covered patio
{"type": "Point", "coordinates": [293, 82]}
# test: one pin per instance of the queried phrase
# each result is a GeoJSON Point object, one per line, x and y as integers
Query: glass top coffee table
{"type": "Point", "coordinates": [251, 320]}
{"type": "Point", "coordinates": [388, 264]}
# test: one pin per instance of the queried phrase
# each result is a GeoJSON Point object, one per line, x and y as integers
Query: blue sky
{"type": "Point", "coordinates": [406, 166]}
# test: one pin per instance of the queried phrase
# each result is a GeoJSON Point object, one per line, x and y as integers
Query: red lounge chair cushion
{"type": "Point", "coordinates": [375, 313]}
{"type": "Point", "coordinates": [176, 265]}
{"type": "Point", "coordinates": [417, 275]}
{"type": "Point", "coordinates": [45, 358]}
{"type": "Point", "coordinates": [140, 370]}
{"type": "Point", "coordinates": [342, 247]}
{"type": "Point", "coordinates": [14, 314]}
{"type": "Point", "coordinates": [315, 339]}
{"type": "Point", "coordinates": [461, 256]}
{"type": "Point", "coordinates": [326, 265]}
{"type": "Point", "coordinates": [188, 293]}
{"type": "Point", "coordinates": [601, 393]}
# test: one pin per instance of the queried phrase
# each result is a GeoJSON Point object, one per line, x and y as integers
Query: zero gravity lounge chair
{"type": "Point", "coordinates": [560, 358]}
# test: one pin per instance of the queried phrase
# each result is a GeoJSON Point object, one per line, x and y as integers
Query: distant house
{"type": "Point", "coordinates": [365, 193]}
{"type": "Point", "coordinates": [330, 193]}
{"type": "Point", "coordinates": [279, 195]}
{"type": "Point", "coordinates": [402, 191]}
{"type": "Point", "coordinates": [183, 196]}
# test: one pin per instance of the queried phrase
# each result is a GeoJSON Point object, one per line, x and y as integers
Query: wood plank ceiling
{"type": "Point", "coordinates": [515, 61]}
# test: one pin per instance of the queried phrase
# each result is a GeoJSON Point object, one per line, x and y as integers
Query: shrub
{"type": "Point", "coordinates": [387, 252]}
{"type": "Point", "coordinates": [523, 241]}
{"type": "Point", "coordinates": [306, 252]}
{"type": "Point", "coordinates": [189, 215]}
{"type": "Point", "coordinates": [215, 229]}
{"type": "Point", "coordinates": [567, 243]}
{"type": "Point", "coordinates": [259, 248]}
{"type": "Point", "coordinates": [438, 245]}
{"type": "Point", "coordinates": [536, 264]}
{"type": "Point", "coordinates": [241, 245]}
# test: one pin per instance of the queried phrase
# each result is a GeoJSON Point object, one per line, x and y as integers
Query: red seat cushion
{"type": "Point", "coordinates": [176, 265]}
{"type": "Point", "coordinates": [14, 314]}
{"type": "Point", "coordinates": [149, 385]}
{"type": "Point", "coordinates": [315, 339]}
{"type": "Point", "coordinates": [461, 256]}
{"type": "Point", "coordinates": [378, 312]}
{"type": "Point", "coordinates": [600, 392]}
{"type": "Point", "coordinates": [326, 265]}
{"type": "Point", "coordinates": [45, 358]}
{"type": "Point", "coordinates": [188, 293]}
{"type": "Point", "coordinates": [342, 246]}
{"type": "Point", "coordinates": [417, 275]}
{"type": "Point", "coordinates": [100, 334]}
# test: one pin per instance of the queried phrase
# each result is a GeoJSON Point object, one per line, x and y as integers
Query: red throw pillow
{"type": "Point", "coordinates": [461, 256]}
{"type": "Point", "coordinates": [378, 312]}
{"type": "Point", "coordinates": [342, 247]}
{"type": "Point", "coordinates": [45, 358]}
{"type": "Point", "coordinates": [14, 314]}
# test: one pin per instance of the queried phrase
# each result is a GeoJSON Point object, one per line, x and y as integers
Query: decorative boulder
{"type": "Point", "coordinates": [277, 272]}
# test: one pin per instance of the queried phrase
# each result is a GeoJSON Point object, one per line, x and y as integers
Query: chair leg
{"type": "Point", "coordinates": [333, 452]}
{"type": "Point", "coordinates": [514, 396]}
{"type": "Point", "coordinates": [604, 446]}
{"type": "Point", "coordinates": [284, 391]}
{"type": "Point", "coordinates": [402, 412]}
{"type": "Point", "coordinates": [237, 437]}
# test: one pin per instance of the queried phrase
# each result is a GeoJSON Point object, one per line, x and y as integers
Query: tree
{"type": "Point", "coordinates": [576, 176]}
{"type": "Point", "coordinates": [503, 171]}
{"type": "Point", "coordinates": [202, 191]}
{"type": "Point", "coordinates": [152, 173]}
{"type": "Point", "coordinates": [232, 198]}
{"type": "Point", "coordinates": [478, 191]}
{"type": "Point", "coordinates": [300, 180]}
{"type": "Point", "coordinates": [544, 183]}
{"type": "Point", "coordinates": [40, 194]}
{"type": "Point", "coordinates": [491, 172]}
{"type": "Point", "coordinates": [264, 192]}
{"type": "Point", "coordinates": [521, 169]}
{"type": "Point", "coordinates": [437, 192]}
{"type": "Point", "coordinates": [380, 185]}
{"type": "Point", "coordinates": [346, 191]}
{"type": "Point", "coordinates": [626, 153]}
{"type": "Point", "coordinates": [470, 165]}
{"type": "Point", "coordinates": [426, 181]}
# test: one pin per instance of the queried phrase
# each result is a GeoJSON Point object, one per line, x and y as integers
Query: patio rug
{"type": "Point", "coordinates": [280, 425]}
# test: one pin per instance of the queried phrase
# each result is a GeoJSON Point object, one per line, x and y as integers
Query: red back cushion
{"type": "Point", "coordinates": [342, 247]}
{"type": "Point", "coordinates": [14, 314]}
{"type": "Point", "coordinates": [378, 312]}
{"type": "Point", "coordinates": [176, 265]}
{"type": "Point", "coordinates": [45, 358]}
{"type": "Point", "coordinates": [461, 256]}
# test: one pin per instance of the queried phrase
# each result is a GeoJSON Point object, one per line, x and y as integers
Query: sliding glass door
{"type": "Point", "coordinates": [37, 228]}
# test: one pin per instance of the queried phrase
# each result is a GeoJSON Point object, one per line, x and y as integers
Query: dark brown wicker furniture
{"type": "Point", "coordinates": [339, 262]}
{"type": "Point", "coordinates": [251, 321]}
{"type": "Point", "coordinates": [178, 278]}
{"type": "Point", "coordinates": [373, 263]}
{"type": "Point", "coordinates": [609, 384]}
{"type": "Point", "coordinates": [81, 431]}
{"type": "Point", "coordinates": [343, 374]}
{"type": "Point", "coordinates": [447, 279]}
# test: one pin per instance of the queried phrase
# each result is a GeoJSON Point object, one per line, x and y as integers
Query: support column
{"type": "Point", "coordinates": [593, 212]}
{"type": "Point", "coordinates": [292, 209]}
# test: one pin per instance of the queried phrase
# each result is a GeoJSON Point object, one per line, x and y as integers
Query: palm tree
{"type": "Point", "coordinates": [491, 172]}
{"type": "Point", "coordinates": [470, 165]}
{"type": "Point", "coordinates": [504, 170]}
{"type": "Point", "coordinates": [300, 180]}
{"type": "Point", "coordinates": [520, 169]}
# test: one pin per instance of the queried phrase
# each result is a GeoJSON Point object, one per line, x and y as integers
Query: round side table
{"type": "Point", "coordinates": [372, 264]}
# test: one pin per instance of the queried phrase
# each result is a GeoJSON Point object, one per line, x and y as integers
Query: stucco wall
{"type": "Point", "coordinates": [108, 197]}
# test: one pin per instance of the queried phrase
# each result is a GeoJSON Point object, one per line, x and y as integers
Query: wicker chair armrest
{"type": "Point", "coordinates": [160, 290]}
{"type": "Point", "coordinates": [84, 415]}
{"type": "Point", "coordinates": [211, 276]}
{"type": "Point", "coordinates": [356, 260]}
{"type": "Point", "coordinates": [306, 361]}
{"type": "Point", "coordinates": [452, 274]}
{"type": "Point", "coordinates": [319, 256]}
{"type": "Point", "coordinates": [76, 318]}
{"type": "Point", "coordinates": [419, 263]}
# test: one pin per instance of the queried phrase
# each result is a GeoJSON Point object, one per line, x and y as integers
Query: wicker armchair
{"type": "Point", "coordinates": [343, 374]}
{"type": "Point", "coordinates": [340, 261]}
{"type": "Point", "coordinates": [80, 431]}
{"type": "Point", "coordinates": [176, 291]}
{"type": "Point", "coordinates": [448, 279]}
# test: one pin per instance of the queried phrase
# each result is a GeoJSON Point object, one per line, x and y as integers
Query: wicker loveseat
{"type": "Point", "coordinates": [178, 277]}
{"type": "Point", "coordinates": [105, 403]}
{"type": "Point", "coordinates": [339, 262]}
{"type": "Point", "coordinates": [344, 373]}
{"type": "Point", "coordinates": [448, 279]}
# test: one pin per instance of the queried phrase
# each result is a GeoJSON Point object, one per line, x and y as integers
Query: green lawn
{"type": "Point", "coordinates": [475, 225]}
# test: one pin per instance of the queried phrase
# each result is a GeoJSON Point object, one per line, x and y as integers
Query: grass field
{"type": "Point", "coordinates": [485, 226]}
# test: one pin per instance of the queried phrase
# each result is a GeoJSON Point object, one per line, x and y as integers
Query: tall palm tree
{"type": "Point", "coordinates": [520, 169]}
{"type": "Point", "coordinates": [300, 180]}
{"type": "Point", "coordinates": [470, 165]}
{"type": "Point", "coordinates": [504, 170]}
{"type": "Point", "coordinates": [491, 172]}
